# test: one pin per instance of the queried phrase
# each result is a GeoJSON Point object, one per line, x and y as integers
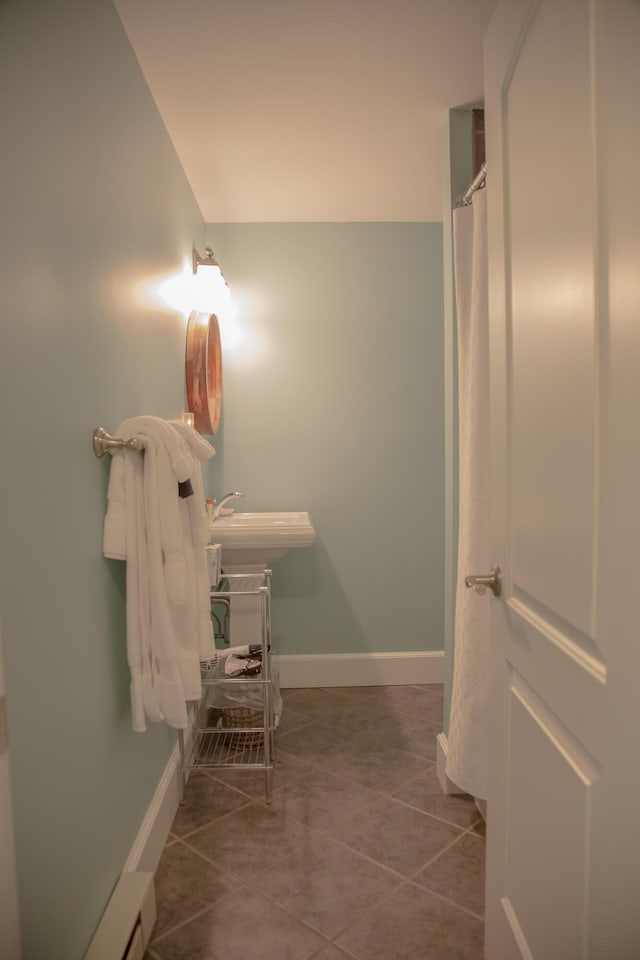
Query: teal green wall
{"type": "Point", "coordinates": [333, 403]}
{"type": "Point", "coordinates": [93, 202]}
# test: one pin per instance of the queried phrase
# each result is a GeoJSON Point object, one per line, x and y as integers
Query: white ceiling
{"type": "Point", "coordinates": [310, 109]}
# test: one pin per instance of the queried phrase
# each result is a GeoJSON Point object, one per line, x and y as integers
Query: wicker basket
{"type": "Point", "coordinates": [242, 717]}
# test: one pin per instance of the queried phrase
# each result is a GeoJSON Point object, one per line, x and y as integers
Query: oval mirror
{"type": "Point", "coordinates": [203, 371]}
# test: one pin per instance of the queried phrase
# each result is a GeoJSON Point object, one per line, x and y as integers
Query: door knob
{"type": "Point", "coordinates": [492, 580]}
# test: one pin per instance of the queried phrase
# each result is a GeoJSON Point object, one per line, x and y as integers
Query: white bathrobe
{"type": "Point", "coordinates": [162, 537]}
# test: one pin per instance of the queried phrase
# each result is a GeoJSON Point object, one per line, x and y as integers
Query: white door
{"type": "Point", "coordinates": [562, 89]}
{"type": "Point", "coordinates": [9, 930]}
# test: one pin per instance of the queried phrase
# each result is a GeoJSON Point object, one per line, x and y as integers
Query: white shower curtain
{"type": "Point", "coordinates": [467, 738]}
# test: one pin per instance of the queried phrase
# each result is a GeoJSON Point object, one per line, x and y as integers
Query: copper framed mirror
{"type": "Point", "coordinates": [203, 371]}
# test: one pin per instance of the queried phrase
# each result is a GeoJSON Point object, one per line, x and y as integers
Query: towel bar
{"type": "Point", "coordinates": [103, 442]}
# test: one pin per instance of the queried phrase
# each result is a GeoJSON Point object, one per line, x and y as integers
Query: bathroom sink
{"type": "Point", "coordinates": [257, 539]}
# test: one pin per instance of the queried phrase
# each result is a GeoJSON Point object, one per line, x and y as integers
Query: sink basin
{"type": "Point", "coordinates": [257, 539]}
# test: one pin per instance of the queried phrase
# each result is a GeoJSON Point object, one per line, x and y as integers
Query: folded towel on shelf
{"type": "Point", "coordinates": [242, 660]}
{"type": "Point", "coordinates": [156, 530]}
{"type": "Point", "coordinates": [242, 666]}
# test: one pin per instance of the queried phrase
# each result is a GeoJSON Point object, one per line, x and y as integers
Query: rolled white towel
{"type": "Point", "coordinates": [114, 537]}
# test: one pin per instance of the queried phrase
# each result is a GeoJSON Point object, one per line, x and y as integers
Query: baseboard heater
{"type": "Point", "coordinates": [125, 927]}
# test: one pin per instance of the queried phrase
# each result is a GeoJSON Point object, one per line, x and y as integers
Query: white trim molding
{"type": "Point", "coordinates": [442, 747]}
{"type": "Point", "coordinates": [152, 835]}
{"type": "Point", "coordinates": [148, 846]}
{"type": "Point", "coordinates": [360, 669]}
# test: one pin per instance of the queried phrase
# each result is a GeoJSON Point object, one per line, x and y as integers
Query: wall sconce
{"type": "Point", "coordinates": [208, 291]}
{"type": "Point", "coordinates": [208, 261]}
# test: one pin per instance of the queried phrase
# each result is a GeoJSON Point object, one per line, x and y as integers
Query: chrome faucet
{"type": "Point", "coordinates": [217, 507]}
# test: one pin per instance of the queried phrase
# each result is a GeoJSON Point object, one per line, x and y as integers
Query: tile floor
{"type": "Point", "coordinates": [360, 855]}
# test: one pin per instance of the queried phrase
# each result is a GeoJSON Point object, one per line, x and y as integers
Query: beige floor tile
{"type": "Point", "coordinates": [415, 924]}
{"type": "Point", "coordinates": [332, 953]}
{"type": "Point", "coordinates": [249, 841]}
{"type": "Point", "coordinates": [320, 801]}
{"type": "Point", "coordinates": [414, 736]}
{"type": "Point", "coordinates": [206, 800]}
{"type": "Point", "coordinates": [426, 793]}
{"type": "Point", "coordinates": [419, 702]}
{"type": "Point", "coordinates": [286, 770]}
{"type": "Point", "coordinates": [326, 885]}
{"type": "Point", "coordinates": [368, 718]}
{"type": "Point", "coordinates": [355, 693]}
{"type": "Point", "coordinates": [480, 827]}
{"type": "Point", "coordinates": [313, 702]}
{"type": "Point", "coordinates": [318, 742]}
{"type": "Point", "coordinates": [375, 722]}
{"type": "Point", "coordinates": [398, 836]}
{"type": "Point", "coordinates": [380, 767]}
{"type": "Point", "coordinates": [185, 884]}
{"type": "Point", "coordinates": [458, 873]}
{"type": "Point", "coordinates": [291, 720]}
{"type": "Point", "coordinates": [245, 926]}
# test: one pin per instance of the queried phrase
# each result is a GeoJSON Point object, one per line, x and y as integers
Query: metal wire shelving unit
{"type": "Point", "coordinates": [241, 738]}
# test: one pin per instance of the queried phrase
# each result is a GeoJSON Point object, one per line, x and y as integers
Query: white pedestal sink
{"type": "Point", "coordinates": [250, 542]}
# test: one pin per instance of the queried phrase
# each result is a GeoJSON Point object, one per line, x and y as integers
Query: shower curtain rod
{"type": "Point", "coordinates": [478, 181]}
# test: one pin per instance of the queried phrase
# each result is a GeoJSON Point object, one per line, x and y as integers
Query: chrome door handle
{"type": "Point", "coordinates": [480, 583]}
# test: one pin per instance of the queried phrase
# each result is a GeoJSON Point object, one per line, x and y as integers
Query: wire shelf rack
{"type": "Point", "coordinates": [231, 736]}
{"type": "Point", "coordinates": [225, 747]}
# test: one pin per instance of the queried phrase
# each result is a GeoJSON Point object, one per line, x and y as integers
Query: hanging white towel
{"type": "Point", "coordinates": [158, 533]}
{"type": "Point", "coordinates": [199, 526]}
{"type": "Point", "coordinates": [467, 737]}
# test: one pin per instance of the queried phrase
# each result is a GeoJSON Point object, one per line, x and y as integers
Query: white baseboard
{"type": "Point", "coordinates": [442, 746]}
{"type": "Point", "coordinates": [152, 836]}
{"type": "Point", "coordinates": [360, 669]}
{"type": "Point", "coordinates": [126, 925]}
{"type": "Point", "coordinates": [148, 846]}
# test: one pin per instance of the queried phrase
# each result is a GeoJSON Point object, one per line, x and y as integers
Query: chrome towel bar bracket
{"type": "Point", "coordinates": [103, 442]}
